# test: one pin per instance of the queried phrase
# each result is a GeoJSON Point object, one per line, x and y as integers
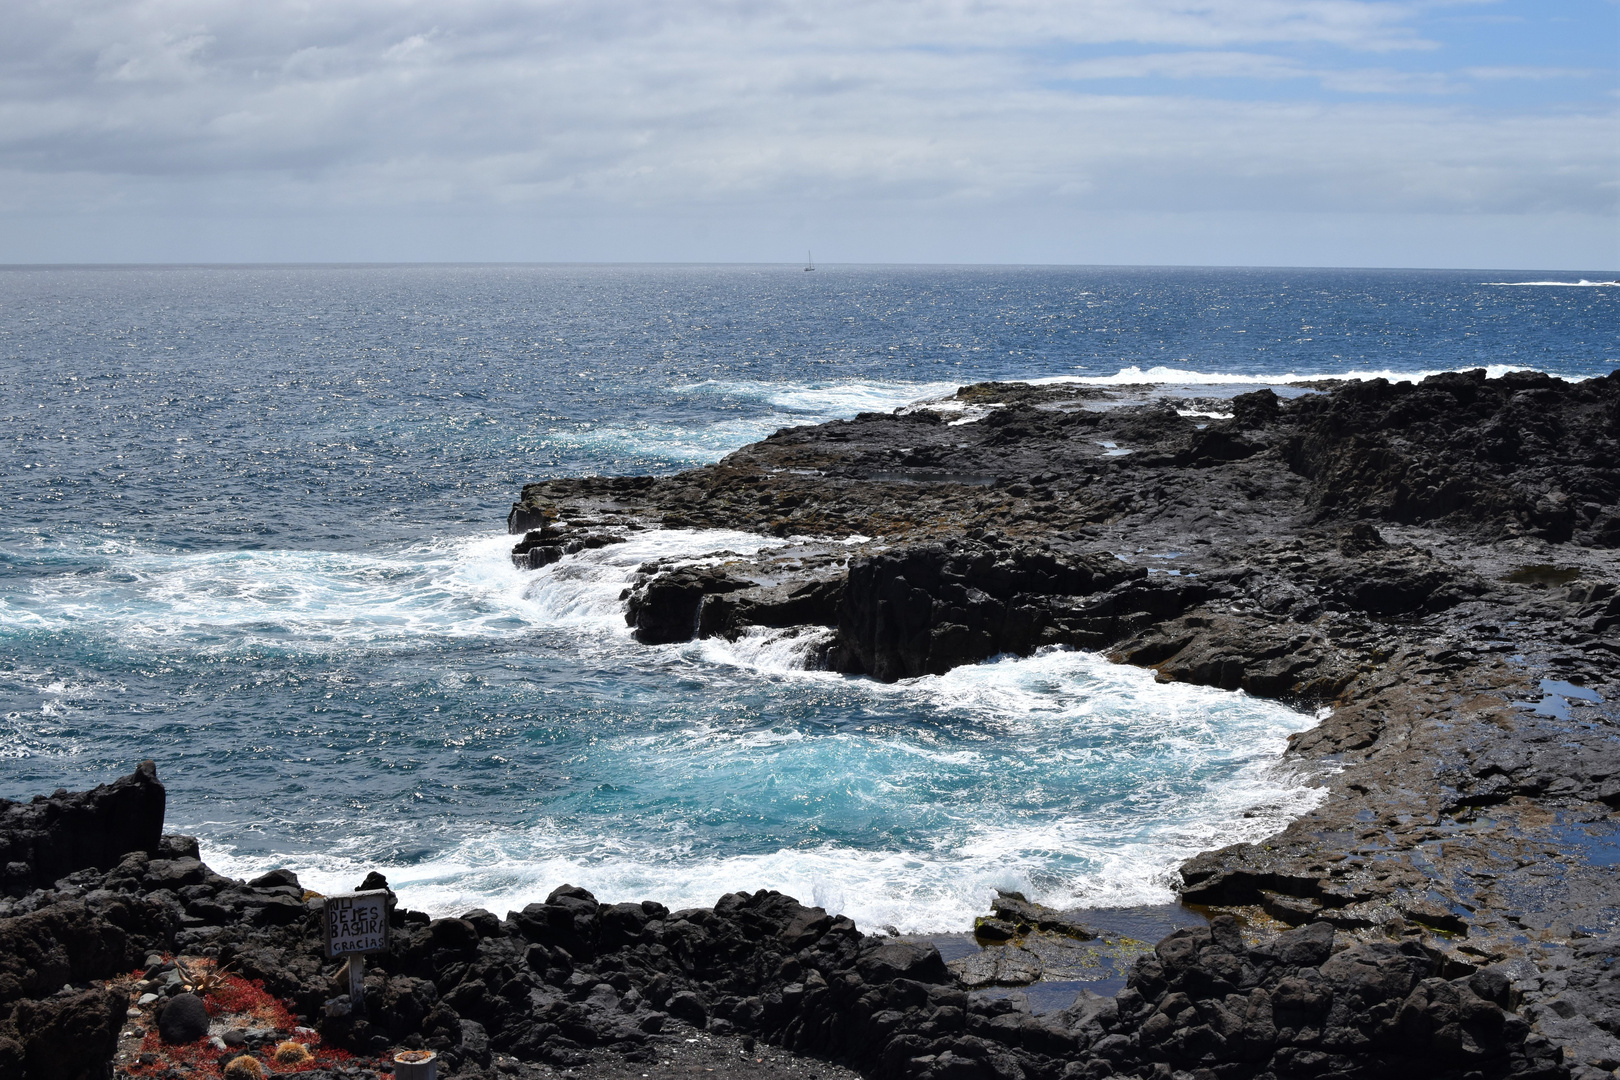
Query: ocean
{"type": "Point", "coordinates": [254, 528]}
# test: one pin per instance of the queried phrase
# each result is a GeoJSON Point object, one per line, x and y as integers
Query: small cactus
{"type": "Point", "coordinates": [292, 1054]}
{"type": "Point", "coordinates": [244, 1068]}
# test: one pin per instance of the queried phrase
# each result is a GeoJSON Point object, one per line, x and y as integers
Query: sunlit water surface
{"type": "Point", "coordinates": [253, 530]}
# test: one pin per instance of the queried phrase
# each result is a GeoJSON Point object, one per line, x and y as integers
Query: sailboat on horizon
{"type": "Point", "coordinates": [809, 263]}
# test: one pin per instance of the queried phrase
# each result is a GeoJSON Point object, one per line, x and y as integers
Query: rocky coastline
{"type": "Point", "coordinates": [91, 984]}
{"type": "Point", "coordinates": [1433, 567]}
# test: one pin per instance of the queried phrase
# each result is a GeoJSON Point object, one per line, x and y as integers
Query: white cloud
{"type": "Point", "coordinates": [1389, 81]}
{"type": "Point", "coordinates": [1188, 65]}
{"type": "Point", "coordinates": [567, 106]}
{"type": "Point", "coordinates": [1535, 74]}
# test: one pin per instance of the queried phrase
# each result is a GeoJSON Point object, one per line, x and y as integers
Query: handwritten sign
{"type": "Point", "coordinates": [357, 923]}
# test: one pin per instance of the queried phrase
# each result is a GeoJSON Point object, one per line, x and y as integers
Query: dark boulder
{"type": "Point", "coordinates": [69, 942]}
{"type": "Point", "coordinates": [175, 846]}
{"type": "Point", "coordinates": [70, 1036]}
{"type": "Point", "coordinates": [689, 1006]}
{"type": "Point", "coordinates": [173, 874]}
{"type": "Point", "coordinates": [1306, 946]}
{"type": "Point", "coordinates": [1255, 409]}
{"type": "Point", "coordinates": [665, 608]}
{"type": "Point", "coordinates": [184, 1019]}
{"type": "Point", "coordinates": [457, 935]}
{"type": "Point", "coordinates": [275, 879]}
{"type": "Point", "coordinates": [568, 921]}
{"type": "Point", "coordinates": [484, 922]}
{"type": "Point", "coordinates": [623, 924]}
{"type": "Point", "coordinates": [903, 960]}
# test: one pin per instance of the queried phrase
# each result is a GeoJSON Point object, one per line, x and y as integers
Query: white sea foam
{"type": "Point", "coordinates": [1581, 284]}
{"type": "Point", "coordinates": [1061, 775]}
{"type": "Point", "coordinates": [583, 589]}
{"type": "Point", "coordinates": [1066, 865]}
{"type": "Point", "coordinates": [824, 399]}
{"type": "Point", "coordinates": [1135, 376]}
{"type": "Point", "coordinates": [763, 649]}
{"type": "Point", "coordinates": [1082, 711]}
{"type": "Point", "coordinates": [322, 600]}
{"type": "Point", "coordinates": [791, 405]}
{"type": "Point", "coordinates": [282, 599]}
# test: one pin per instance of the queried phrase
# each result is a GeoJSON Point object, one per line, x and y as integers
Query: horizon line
{"type": "Point", "coordinates": [360, 264]}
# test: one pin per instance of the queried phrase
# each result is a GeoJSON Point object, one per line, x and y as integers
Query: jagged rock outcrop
{"type": "Point", "coordinates": [55, 944]}
{"type": "Point", "coordinates": [1431, 568]}
{"type": "Point", "coordinates": [52, 836]}
{"type": "Point", "coordinates": [1525, 452]}
{"type": "Point", "coordinates": [67, 1036]}
{"type": "Point", "coordinates": [925, 609]}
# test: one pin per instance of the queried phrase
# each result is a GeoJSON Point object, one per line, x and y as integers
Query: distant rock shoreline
{"type": "Point", "coordinates": [1435, 565]}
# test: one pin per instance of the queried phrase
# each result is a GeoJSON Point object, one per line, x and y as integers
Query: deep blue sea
{"type": "Point", "coordinates": [253, 527]}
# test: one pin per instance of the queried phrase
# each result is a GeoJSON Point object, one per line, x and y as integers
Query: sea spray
{"type": "Point", "coordinates": [252, 531]}
{"type": "Point", "coordinates": [696, 769]}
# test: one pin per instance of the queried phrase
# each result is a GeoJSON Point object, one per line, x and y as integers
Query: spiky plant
{"type": "Point", "coordinates": [201, 980]}
{"type": "Point", "coordinates": [292, 1053]}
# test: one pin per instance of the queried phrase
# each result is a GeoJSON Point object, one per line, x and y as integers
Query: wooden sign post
{"type": "Point", "coordinates": [357, 924]}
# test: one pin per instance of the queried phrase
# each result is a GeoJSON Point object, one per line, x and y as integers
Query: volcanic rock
{"type": "Point", "coordinates": [184, 1019]}
{"type": "Point", "coordinates": [52, 836]}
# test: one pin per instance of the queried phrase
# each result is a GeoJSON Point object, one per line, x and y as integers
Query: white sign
{"type": "Point", "coordinates": [357, 923]}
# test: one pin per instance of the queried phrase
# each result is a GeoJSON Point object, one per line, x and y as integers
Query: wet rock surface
{"type": "Point", "coordinates": [1434, 567]}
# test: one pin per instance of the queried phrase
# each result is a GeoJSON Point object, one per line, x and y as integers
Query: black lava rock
{"type": "Point", "coordinates": [51, 837]}
{"type": "Point", "coordinates": [184, 1019]}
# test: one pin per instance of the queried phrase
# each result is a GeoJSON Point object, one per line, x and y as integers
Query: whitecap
{"type": "Point", "coordinates": [1042, 719]}
{"type": "Point", "coordinates": [827, 399]}
{"type": "Point", "coordinates": [1136, 376]}
{"type": "Point", "coordinates": [1581, 284]}
{"type": "Point", "coordinates": [768, 650]}
{"type": "Point", "coordinates": [332, 601]}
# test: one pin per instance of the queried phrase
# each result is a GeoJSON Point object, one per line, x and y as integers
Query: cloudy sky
{"type": "Point", "coordinates": [1295, 132]}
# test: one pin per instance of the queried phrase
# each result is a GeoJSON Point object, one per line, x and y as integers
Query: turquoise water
{"type": "Point", "coordinates": [253, 529]}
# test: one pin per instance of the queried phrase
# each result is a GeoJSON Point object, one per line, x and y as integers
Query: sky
{"type": "Point", "coordinates": [1443, 133]}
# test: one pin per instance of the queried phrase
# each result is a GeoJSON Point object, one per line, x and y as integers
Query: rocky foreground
{"type": "Point", "coordinates": [573, 984]}
{"type": "Point", "coordinates": [1436, 565]}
